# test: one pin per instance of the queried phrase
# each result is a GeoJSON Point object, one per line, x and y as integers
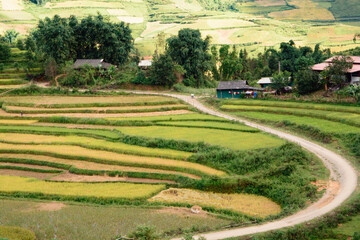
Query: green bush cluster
{"type": "Point", "coordinates": [16, 233]}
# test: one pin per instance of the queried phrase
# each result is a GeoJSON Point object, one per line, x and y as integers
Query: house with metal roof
{"type": "Point", "coordinates": [353, 74]}
{"type": "Point", "coordinates": [145, 63]}
{"type": "Point", "coordinates": [265, 82]}
{"type": "Point", "coordinates": [234, 89]}
{"type": "Point", "coordinates": [96, 63]}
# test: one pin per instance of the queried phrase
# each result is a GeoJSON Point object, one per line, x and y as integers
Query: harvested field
{"type": "Point", "coordinates": [80, 152]}
{"type": "Point", "coordinates": [99, 115]}
{"type": "Point", "coordinates": [97, 109]}
{"type": "Point", "coordinates": [248, 204]}
{"type": "Point", "coordinates": [19, 173]}
{"type": "Point", "coordinates": [4, 163]}
{"type": "Point", "coordinates": [69, 177]}
{"type": "Point", "coordinates": [88, 165]}
{"type": "Point", "coordinates": [11, 184]}
{"type": "Point", "coordinates": [50, 100]}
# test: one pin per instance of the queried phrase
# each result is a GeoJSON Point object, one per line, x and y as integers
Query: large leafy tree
{"type": "Point", "coordinates": [227, 64]}
{"type": "Point", "coordinates": [335, 73]}
{"type": "Point", "coordinates": [190, 51]}
{"type": "Point", "coordinates": [93, 37]}
{"type": "Point", "coordinates": [163, 71]}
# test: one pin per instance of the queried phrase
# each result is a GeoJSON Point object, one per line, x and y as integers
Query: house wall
{"type": "Point", "coordinates": [227, 94]}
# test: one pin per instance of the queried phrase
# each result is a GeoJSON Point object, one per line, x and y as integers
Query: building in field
{"type": "Point", "coordinates": [96, 63]}
{"type": "Point", "coordinates": [353, 74]}
{"type": "Point", "coordinates": [235, 89]}
{"type": "Point", "coordinates": [265, 82]}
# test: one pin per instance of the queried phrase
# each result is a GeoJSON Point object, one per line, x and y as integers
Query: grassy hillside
{"type": "Point", "coordinates": [250, 24]}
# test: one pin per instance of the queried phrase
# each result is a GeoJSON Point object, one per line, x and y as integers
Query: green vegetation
{"type": "Point", "coordinates": [16, 233]}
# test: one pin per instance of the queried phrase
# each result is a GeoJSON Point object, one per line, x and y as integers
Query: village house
{"type": "Point", "coordinates": [265, 82]}
{"type": "Point", "coordinates": [353, 74]}
{"type": "Point", "coordinates": [235, 89]}
{"type": "Point", "coordinates": [146, 63]}
{"type": "Point", "coordinates": [96, 63]}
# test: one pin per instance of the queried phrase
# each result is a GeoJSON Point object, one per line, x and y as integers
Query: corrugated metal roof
{"type": "Point", "coordinates": [265, 80]}
{"type": "Point", "coordinates": [145, 63]}
{"type": "Point", "coordinates": [355, 59]}
{"type": "Point", "coordinates": [92, 62]}
{"type": "Point", "coordinates": [236, 85]}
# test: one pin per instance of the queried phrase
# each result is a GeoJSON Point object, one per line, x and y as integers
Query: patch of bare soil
{"type": "Point", "coordinates": [332, 188]}
{"type": "Point", "coordinates": [69, 177]}
{"type": "Point", "coordinates": [48, 207]}
{"type": "Point", "coordinates": [19, 173]}
{"type": "Point", "coordinates": [182, 212]}
{"type": "Point", "coordinates": [27, 165]}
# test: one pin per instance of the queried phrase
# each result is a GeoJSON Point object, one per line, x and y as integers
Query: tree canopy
{"type": "Point", "coordinates": [190, 51]}
{"type": "Point", "coordinates": [66, 39]}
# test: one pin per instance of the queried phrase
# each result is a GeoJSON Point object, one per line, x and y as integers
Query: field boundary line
{"type": "Point", "coordinates": [340, 171]}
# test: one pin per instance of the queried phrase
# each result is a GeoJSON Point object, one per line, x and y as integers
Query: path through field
{"type": "Point", "coordinates": [340, 169]}
{"type": "Point", "coordinates": [11, 5]}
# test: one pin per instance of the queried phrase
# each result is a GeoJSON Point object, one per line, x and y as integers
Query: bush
{"type": "Point", "coordinates": [307, 81]}
{"type": "Point", "coordinates": [16, 233]}
{"type": "Point", "coordinates": [140, 78]}
{"type": "Point", "coordinates": [144, 232]}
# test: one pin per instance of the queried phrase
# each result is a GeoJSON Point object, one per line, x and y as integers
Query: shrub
{"type": "Point", "coordinates": [144, 232]}
{"type": "Point", "coordinates": [16, 233]}
{"type": "Point", "coordinates": [307, 81]}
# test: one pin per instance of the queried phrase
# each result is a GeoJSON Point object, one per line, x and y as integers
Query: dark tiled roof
{"type": "Point", "coordinates": [92, 62]}
{"type": "Point", "coordinates": [236, 85]}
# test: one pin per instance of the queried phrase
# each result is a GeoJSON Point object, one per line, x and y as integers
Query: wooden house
{"type": "Point", "coordinates": [234, 89]}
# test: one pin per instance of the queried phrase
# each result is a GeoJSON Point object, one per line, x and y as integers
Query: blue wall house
{"type": "Point", "coordinates": [234, 89]}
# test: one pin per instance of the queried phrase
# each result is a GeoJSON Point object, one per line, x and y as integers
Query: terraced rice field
{"type": "Point", "coordinates": [27, 144]}
{"type": "Point", "coordinates": [326, 117]}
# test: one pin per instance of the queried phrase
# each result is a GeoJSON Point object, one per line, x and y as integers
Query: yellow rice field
{"type": "Point", "coordinates": [17, 122]}
{"type": "Point", "coordinates": [92, 165]}
{"type": "Point", "coordinates": [76, 151]}
{"type": "Point", "coordinates": [249, 204]}
{"type": "Point", "coordinates": [101, 190]}
{"type": "Point", "coordinates": [96, 143]}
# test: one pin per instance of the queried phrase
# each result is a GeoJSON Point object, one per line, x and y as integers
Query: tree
{"type": "Point", "coordinates": [5, 52]}
{"type": "Point", "coordinates": [307, 81]}
{"type": "Point", "coordinates": [357, 35]}
{"type": "Point", "coordinates": [190, 51]}
{"type": "Point", "coordinates": [51, 68]}
{"type": "Point", "coordinates": [229, 64]}
{"type": "Point", "coordinates": [93, 37]}
{"type": "Point", "coordinates": [20, 44]}
{"type": "Point", "coordinates": [163, 71]}
{"type": "Point", "coordinates": [10, 36]}
{"type": "Point", "coordinates": [336, 71]}
{"type": "Point", "coordinates": [280, 80]}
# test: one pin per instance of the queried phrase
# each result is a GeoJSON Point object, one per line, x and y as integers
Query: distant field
{"type": "Point", "coordinates": [266, 22]}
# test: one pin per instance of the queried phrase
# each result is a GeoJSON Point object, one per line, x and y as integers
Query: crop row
{"type": "Point", "coordinates": [143, 110]}
{"type": "Point", "coordinates": [297, 105]}
{"type": "Point", "coordinates": [91, 143]}
{"type": "Point", "coordinates": [349, 118]}
{"type": "Point", "coordinates": [11, 184]}
{"type": "Point", "coordinates": [106, 157]}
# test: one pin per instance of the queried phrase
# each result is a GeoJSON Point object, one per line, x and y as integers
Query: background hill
{"type": "Point", "coordinates": [253, 24]}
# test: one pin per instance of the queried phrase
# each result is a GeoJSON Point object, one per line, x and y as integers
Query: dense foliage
{"type": "Point", "coordinates": [65, 39]}
{"type": "Point", "coordinates": [190, 51]}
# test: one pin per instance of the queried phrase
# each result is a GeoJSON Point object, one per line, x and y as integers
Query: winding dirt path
{"type": "Point", "coordinates": [341, 171]}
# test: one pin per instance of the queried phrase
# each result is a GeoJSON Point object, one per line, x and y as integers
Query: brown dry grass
{"type": "Point", "coordinates": [10, 172]}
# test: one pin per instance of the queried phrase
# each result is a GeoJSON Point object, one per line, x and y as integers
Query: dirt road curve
{"type": "Point", "coordinates": [341, 171]}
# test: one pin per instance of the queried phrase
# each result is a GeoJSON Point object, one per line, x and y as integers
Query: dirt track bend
{"type": "Point", "coordinates": [340, 169]}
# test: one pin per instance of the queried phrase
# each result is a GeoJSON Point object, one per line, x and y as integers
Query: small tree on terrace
{"type": "Point", "coordinates": [10, 36]}
{"type": "Point", "coordinates": [335, 73]}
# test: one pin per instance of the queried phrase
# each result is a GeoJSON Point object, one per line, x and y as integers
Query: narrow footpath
{"type": "Point", "coordinates": [341, 171]}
